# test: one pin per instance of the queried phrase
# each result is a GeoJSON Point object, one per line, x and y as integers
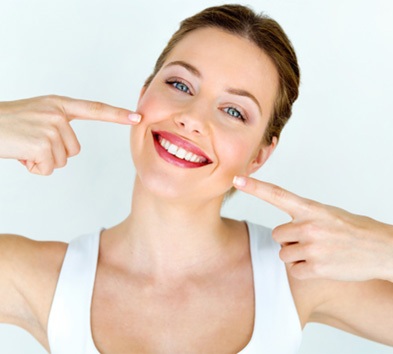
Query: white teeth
{"type": "Point", "coordinates": [188, 156]}
{"type": "Point", "coordinates": [167, 144]}
{"type": "Point", "coordinates": [173, 149]}
{"type": "Point", "coordinates": [194, 158]}
{"type": "Point", "coordinates": [180, 152]}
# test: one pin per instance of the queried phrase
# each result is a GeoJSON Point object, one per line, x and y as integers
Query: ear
{"type": "Point", "coordinates": [262, 154]}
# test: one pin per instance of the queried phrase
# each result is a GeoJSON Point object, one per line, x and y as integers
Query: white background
{"type": "Point", "coordinates": [336, 148]}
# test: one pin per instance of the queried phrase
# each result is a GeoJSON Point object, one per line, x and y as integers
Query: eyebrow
{"type": "Point", "coordinates": [193, 70]}
{"type": "Point", "coordinates": [244, 93]}
{"type": "Point", "coordinates": [189, 67]}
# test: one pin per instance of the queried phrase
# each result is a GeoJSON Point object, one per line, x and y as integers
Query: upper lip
{"type": "Point", "coordinates": [181, 142]}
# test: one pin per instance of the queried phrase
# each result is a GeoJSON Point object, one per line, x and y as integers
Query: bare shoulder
{"type": "Point", "coordinates": [29, 271]}
{"type": "Point", "coordinates": [22, 256]}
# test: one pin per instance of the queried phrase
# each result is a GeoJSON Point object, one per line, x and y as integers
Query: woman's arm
{"type": "Point", "coordinates": [29, 271]}
{"type": "Point", "coordinates": [13, 307]}
{"type": "Point", "coordinates": [326, 242]}
{"type": "Point", "coordinates": [340, 265]}
{"type": "Point", "coordinates": [362, 308]}
{"type": "Point", "coordinates": [37, 132]}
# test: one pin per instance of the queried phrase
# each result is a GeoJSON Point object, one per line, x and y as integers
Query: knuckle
{"type": "Point", "coordinates": [53, 104]}
{"type": "Point", "coordinates": [49, 100]}
{"type": "Point", "coordinates": [57, 117]}
{"type": "Point", "coordinates": [309, 230]}
{"type": "Point", "coordinates": [74, 149]}
{"type": "Point", "coordinates": [278, 193]}
{"type": "Point", "coordinates": [47, 172]}
{"type": "Point", "coordinates": [44, 169]}
{"type": "Point", "coordinates": [62, 163]}
{"type": "Point", "coordinates": [276, 235]}
{"type": "Point", "coordinates": [118, 113]}
{"type": "Point", "coordinates": [96, 106]}
{"type": "Point", "coordinates": [52, 133]}
{"type": "Point", "coordinates": [283, 254]}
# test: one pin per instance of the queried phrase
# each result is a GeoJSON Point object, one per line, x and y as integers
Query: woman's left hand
{"type": "Point", "coordinates": [323, 241]}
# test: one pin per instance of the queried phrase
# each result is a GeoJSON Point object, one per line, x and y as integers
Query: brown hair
{"type": "Point", "coordinates": [264, 32]}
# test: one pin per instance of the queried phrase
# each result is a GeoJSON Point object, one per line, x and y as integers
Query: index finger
{"type": "Point", "coordinates": [90, 110]}
{"type": "Point", "coordinates": [290, 203]}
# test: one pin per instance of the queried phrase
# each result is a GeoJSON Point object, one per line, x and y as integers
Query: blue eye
{"type": "Point", "coordinates": [178, 85]}
{"type": "Point", "coordinates": [234, 113]}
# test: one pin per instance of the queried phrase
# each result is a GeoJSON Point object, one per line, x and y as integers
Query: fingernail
{"type": "Point", "coordinates": [134, 117]}
{"type": "Point", "coordinates": [239, 181]}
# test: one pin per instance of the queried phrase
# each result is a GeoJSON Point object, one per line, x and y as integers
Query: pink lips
{"type": "Point", "coordinates": [176, 140]}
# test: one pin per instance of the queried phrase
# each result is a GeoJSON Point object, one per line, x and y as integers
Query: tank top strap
{"type": "Point", "coordinates": [69, 329]}
{"type": "Point", "coordinates": [277, 328]}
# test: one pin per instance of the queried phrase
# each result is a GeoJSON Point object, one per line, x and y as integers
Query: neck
{"type": "Point", "coordinates": [171, 238]}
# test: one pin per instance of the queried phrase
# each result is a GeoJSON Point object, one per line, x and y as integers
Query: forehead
{"type": "Point", "coordinates": [231, 61]}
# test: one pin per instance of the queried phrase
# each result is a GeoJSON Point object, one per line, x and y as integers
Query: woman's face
{"type": "Point", "coordinates": [204, 116]}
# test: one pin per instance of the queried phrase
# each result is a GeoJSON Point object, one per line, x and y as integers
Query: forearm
{"type": "Point", "coordinates": [360, 308]}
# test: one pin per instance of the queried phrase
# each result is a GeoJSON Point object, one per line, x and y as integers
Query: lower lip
{"type": "Point", "coordinates": [172, 159]}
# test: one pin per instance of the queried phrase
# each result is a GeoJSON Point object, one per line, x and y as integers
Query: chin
{"type": "Point", "coordinates": [163, 187]}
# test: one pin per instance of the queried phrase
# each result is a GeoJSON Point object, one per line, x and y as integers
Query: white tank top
{"type": "Point", "coordinates": [277, 328]}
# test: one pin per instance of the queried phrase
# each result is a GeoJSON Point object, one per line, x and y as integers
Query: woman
{"type": "Point", "coordinates": [175, 276]}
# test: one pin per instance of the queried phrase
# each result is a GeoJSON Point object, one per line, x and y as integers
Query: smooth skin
{"type": "Point", "coordinates": [323, 241]}
{"type": "Point", "coordinates": [160, 280]}
{"type": "Point", "coordinates": [340, 265]}
{"type": "Point", "coordinates": [37, 132]}
{"type": "Point", "coordinates": [184, 272]}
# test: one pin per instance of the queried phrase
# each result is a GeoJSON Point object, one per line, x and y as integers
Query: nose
{"type": "Point", "coordinates": [193, 121]}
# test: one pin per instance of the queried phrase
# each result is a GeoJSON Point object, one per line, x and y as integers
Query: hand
{"type": "Point", "coordinates": [323, 241]}
{"type": "Point", "coordinates": [37, 131]}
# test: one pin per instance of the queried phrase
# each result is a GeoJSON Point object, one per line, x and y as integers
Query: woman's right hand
{"type": "Point", "coordinates": [37, 131]}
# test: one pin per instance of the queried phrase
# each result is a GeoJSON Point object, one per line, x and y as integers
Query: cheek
{"type": "Point", "coordinates": [150, 106]}
{"type": "Point", "coordinates": [154, 108]}
{"type": "Point", "coordinates": [237, 153]}
{"type": "Point", "coordinates": [157, 104]}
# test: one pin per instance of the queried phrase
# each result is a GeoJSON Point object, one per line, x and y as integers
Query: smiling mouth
{"type": "Point", "coordinates": [181, 152]}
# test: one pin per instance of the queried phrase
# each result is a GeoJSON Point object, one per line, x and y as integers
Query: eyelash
{"type": "Point", "coordinates": [238, 114]}
{"type": "Point", "coordinates": [174, 82]}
